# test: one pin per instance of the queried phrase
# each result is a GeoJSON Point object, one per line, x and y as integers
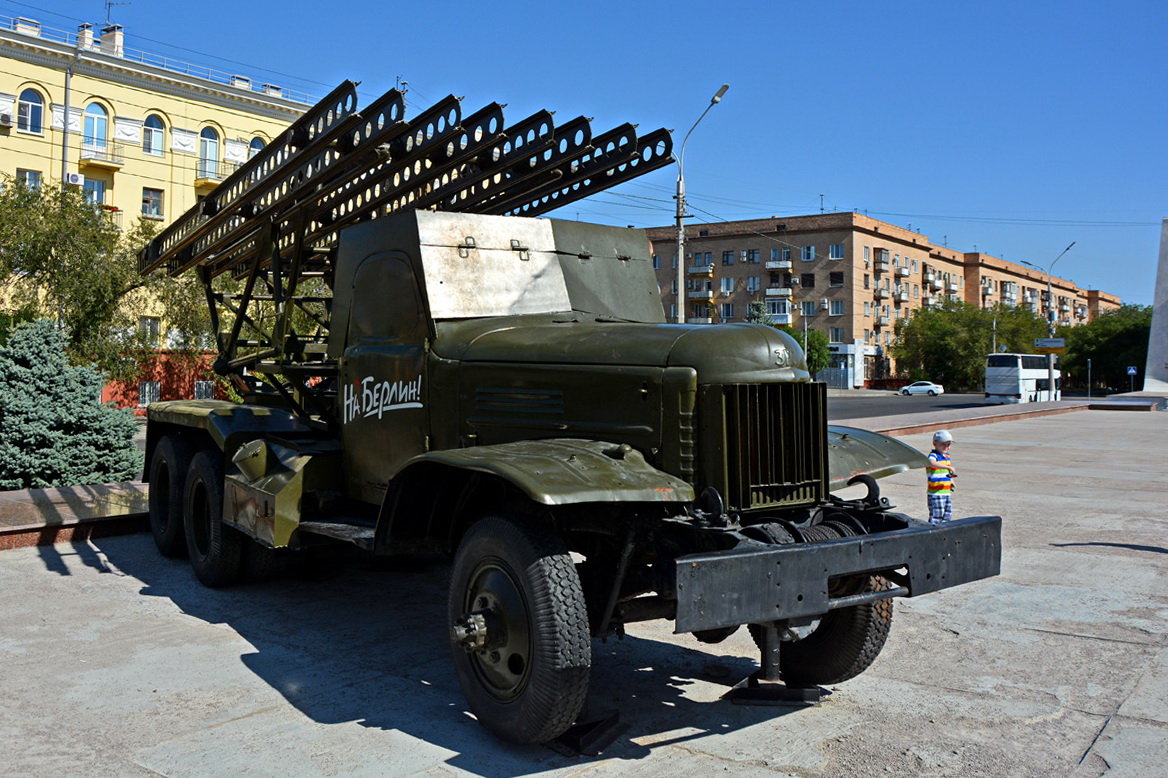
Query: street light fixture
{"type": "Point", "coordinates": [681, 297]}
{"type": "Point", "coordinates": [1050, 317]}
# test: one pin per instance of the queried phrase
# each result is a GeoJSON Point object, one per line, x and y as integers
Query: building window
{"type": "Point", "coordinates": [835, 251]}
{"type": "Point", "coordinates": [867, 309]}
{"type": "Point", "coordinates": [149, 328]}
{"type": "Point", "coordinates": [703, 233]}
{"type": "Point", "coordinates": [808, 253]}
{"type": "Point", "coordinates": [673, 289]}
{"type": "Point", "coordinates": [867, 281]}
{"type": "Point", "coordinates": [753, 284]}
{"type": "Point", "coordinates": [727, 311]}
{"type": "Point", "coordinates": [656, 262]}
{"type": "Point", "coordinates": [808, 307]}
{"type": "Point", "coordinates": [867, 335]}
{"type": "Point", "coordinates": [836, 334]}
{"type": "Point", "coordinates": [774, 255]}
{"type": "Point", "coordinates": [916, 290]}
{"type": "Point", "coordinates": [148, 392]}
{"type": "Point", "coordinates": [151, 203]}
{"type": "Point", "coordinates": [752, 256]}
{"type": "Point", "coordinates": [701, 311]}
{"type": "Point", "coordinates": [94, 191]}
{"type": "Point", "coordinates": [914, 266]}
{"type": "Point", "coordinates": [727, 285]}
{"type": "Point", "coordinates": [807, 280]}
{"type": "Point", "coordinates": [835, 279]}
{"type": "Point", "coordinates": [204, 390]}
{"type": "Point", "coordinates": [837, 307]}
{"type": "Point", "coordinates": [255, 147]}
{"type": "Point", "coordinates": [152, 136]}
{"type": "Point", "coordinates": [208, 153]}
{"type": "Point", "coordinates": [96, 128]}
{"type": "Point", "coordinates": [30, 178]}
{"type": "Point", "coordinates": [727, 257]}
{"type": "Point", "coordinates": [30, 112]}
{"type": "Point", "coordinates": [777, 307]}
{"type": "Point", "coordinates": [867, 254]}
{"type": "Point", "coordinates": [673, 311]}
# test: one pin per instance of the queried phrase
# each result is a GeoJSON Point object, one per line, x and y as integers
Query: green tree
{"type": "Point", "coordinates": [949, 343]}
{"type": "Point", "coordinates": [1113, 341]}
{"type": "Point", "coordinates": [62, 258]}
{"type": "Point", "coordinates": [756, 313]}
{"type": "Point", "coordinates": [54, 430]}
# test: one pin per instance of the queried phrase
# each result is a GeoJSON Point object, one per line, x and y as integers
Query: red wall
{"type": "Point", "coordinates": [176, 375]}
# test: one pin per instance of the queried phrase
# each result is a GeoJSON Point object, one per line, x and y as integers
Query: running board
{"type": "Point", "coordinates": [359, 535]}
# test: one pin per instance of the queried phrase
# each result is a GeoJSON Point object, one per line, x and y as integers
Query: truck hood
{"type": "Point", "coordinates": [724, 353]}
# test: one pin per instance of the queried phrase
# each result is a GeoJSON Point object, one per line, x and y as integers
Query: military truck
{"type": "Point", "coordinates": [427, 367]}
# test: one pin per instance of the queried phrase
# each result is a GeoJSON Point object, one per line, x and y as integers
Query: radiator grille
{"type": "Point", "coordinates": [776, 444]}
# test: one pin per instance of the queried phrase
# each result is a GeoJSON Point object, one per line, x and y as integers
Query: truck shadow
{"type": "Point", "coordinates": [365, 641]}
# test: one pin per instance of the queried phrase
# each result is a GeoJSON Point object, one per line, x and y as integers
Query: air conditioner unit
{"type": "Point", "coordinates": [6, 120]}
{"type": "Point", "coordinates": [75, 179]}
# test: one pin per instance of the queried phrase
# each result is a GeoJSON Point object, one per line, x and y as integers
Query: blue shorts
{"type": "Point", "coordinates": [940, 507]}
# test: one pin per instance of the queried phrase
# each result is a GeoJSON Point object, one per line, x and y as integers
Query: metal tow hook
{"type": "Point", "coordinates": [470, 631]}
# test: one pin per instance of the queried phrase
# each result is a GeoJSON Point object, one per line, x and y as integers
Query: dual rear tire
{"type": "Point", "coordinates": [186, 511]}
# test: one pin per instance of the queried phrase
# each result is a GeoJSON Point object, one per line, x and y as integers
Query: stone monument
{"type": "Point", "coordinates": [1156, 371]}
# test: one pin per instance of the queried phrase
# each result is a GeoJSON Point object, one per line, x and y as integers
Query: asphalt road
{"type": "Point", "coordinates": [872, 404]}
{"type": "Point", "coordinates": [114, 661]}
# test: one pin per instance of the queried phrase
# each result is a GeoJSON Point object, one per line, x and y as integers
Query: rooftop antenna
{"type": "Point", "coordinates": [821, 203]}
{"type": "Point", "coordinates": [109, 4]}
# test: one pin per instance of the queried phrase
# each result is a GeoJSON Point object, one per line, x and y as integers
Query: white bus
{"type": "Point", "coordinates": [1019, 378]}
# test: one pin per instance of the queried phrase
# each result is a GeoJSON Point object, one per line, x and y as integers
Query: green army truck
{"type": "Point", "coordinates": [426, 367]}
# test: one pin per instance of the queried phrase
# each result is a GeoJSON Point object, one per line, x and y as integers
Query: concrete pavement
{"type": "Point", "coordinates": [116, 661]}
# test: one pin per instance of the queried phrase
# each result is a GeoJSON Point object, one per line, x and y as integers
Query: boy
{"type": "Point", "coordinates": [941, 474]}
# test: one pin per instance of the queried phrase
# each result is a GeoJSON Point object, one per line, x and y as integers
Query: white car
{"type": "Point", "coordinates": [923, 387]}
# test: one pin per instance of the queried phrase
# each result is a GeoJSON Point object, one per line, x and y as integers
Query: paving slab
{"type": "Point", "coordinates": [117, 662]}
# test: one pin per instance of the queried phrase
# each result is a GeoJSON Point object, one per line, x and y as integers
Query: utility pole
{"type": "Point", "coordinates": [1050, 318]}
{"type": "Point", "coordinates": [681, 296]}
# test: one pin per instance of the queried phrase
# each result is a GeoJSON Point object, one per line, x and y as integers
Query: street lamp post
{"type": "Point", "coordinates": [681, 298]}
{"type": "Point", "coordinates": [1050, 319]}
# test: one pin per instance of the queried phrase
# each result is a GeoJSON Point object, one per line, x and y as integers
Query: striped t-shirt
{"type": "Point", "coordinates": [940, 481]}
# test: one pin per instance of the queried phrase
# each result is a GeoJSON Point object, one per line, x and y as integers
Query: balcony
{"type": "Point", "coordinates": [881, 266]}
{"type": "Point", "coordinates": [903, 272]}
{"type": "Point", "coordinates": [699, 320]}
{"type": "Point", "coordinates": [101, 154]}
{"type": "Point", "coordinates": [209, 173]}
{"type": "Point", "coordinates": [928, 302]}
{"type": "Point", "coordinates": [778, 264]}
{"type": "Point", "coordinates": [935, 284]}
{"type": "Point", "coordinates": [1064, 307]}
{"type": "Point", "coordinates": [782, 319]}
{"type": "Point", "coordinates": [880, 294]}
{"type": "Point", "coordinates": [778, 291]}
{"type": "Point", "coordinates": [900, 297]}
{"type": "Point", "coordinates": [701, 294]}
{"type": "Point", "coordinates": [882, 321]}
{"type": "Point", "coordinates": [950, 286]}
{"type": "Point", "coordinates": [112, 217]}
{"type": "Point", "coordinates": [700, 270]}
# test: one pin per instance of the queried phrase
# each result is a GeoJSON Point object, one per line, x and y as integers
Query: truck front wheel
{"type": "Point", "coordinates": [522, 648]}
{"type": "Point", "coordinates": [168, 472]}
{"type": "Point", "coordinates": [215, 549]}
{"type": "Point", "coordinates": [843, 645]}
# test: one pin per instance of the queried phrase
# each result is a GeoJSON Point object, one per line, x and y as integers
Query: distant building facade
{"type": "Point", "coordinates": [849, 276]}
{"type": "Point", "coordinates": [140, 134]}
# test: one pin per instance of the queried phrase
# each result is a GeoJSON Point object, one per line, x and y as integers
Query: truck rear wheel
{"type": "Point", "coordinates": [845, 643]}
{"type": "Point", "coordinates": [522, 647]}
{"type": "Point", "coordinates": [215, 549]}
{"type": "Point", "coordinates": [168, 473]}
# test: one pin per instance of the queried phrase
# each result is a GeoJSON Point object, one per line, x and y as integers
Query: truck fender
{"type": "Point", "coordinates": [560, 471]}
{"type": "Point", "coordinates": [853, 452]}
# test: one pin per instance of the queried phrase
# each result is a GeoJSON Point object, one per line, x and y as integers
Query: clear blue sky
{"type": "Point", "coordinates": [1012, 128]}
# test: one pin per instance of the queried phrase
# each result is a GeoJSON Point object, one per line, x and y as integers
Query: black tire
{"type": "Point", "coordinates": [904, 393]}
{"type": "Point", "coordinates": [168, 474]}
{"type": "Point", "coordinates": [215, 549]}
{"type": "Point", "coordinates": [932, 393]}
{"type": "Point", "coordinates": [529, 682]}
{"type": "Point", "coordinates": [845, 643]}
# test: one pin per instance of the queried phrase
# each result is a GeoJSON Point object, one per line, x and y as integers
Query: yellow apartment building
{"type": "Point", "coordinates": [849, 276]}
{"type": "Point", "coordinates": [140, 133]}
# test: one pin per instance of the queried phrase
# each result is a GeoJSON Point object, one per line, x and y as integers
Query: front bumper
{"type": "Point", "coordinates": [752, 586]}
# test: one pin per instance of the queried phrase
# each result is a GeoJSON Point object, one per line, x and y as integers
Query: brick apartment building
{"type": "Point", "coordinates": [849, 276]}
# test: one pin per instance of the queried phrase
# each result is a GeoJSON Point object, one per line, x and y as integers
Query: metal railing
{"type": "Point", "coordinates": [98, 150]}
{"type": "Point", "coordinates": [37, 30]}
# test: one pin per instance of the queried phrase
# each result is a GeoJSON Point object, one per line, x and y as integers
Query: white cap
{"type": "Point", "coordinates": [942, 436]}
